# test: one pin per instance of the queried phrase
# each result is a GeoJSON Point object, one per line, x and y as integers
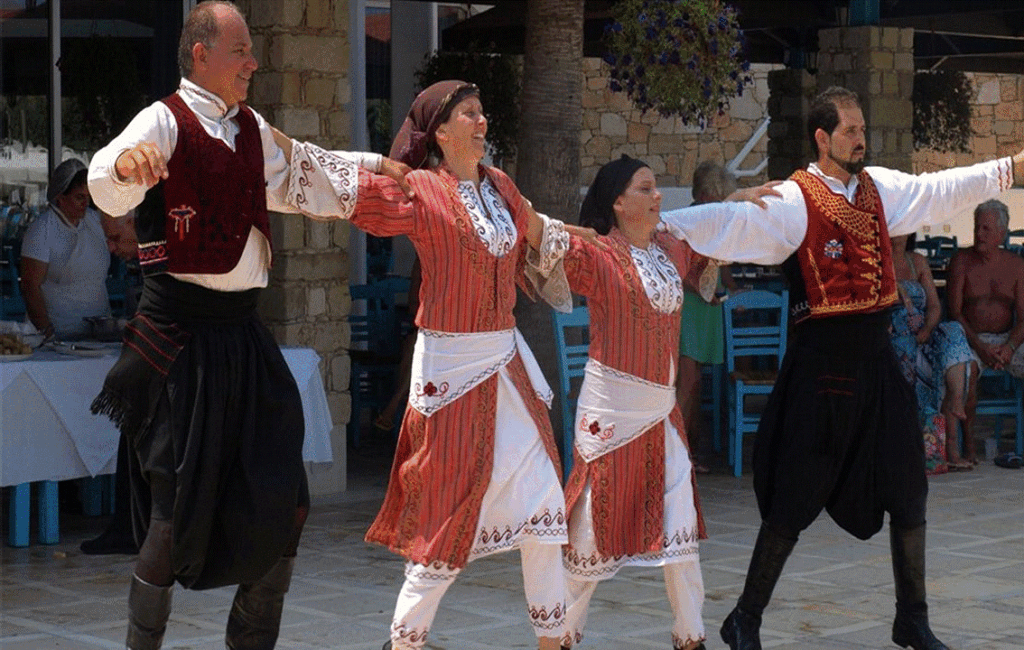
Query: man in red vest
{"type": "Point", "coordinates": [840, 430]}
{"type": "Point", "coordinates": [201, 391]}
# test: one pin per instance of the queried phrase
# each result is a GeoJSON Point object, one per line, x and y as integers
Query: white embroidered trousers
{"type": "Point", "coordinates": [684, 585]}
{"type": "Point", "coordinates": [424, 587]}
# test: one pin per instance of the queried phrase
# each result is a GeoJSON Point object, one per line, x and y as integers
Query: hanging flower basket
{"type": "Point", "coordinates": [676, 57]}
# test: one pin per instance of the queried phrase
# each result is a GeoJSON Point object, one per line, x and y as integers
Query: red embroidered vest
{"type": "Point", "coordinates": [198, 219]}
{"type": "Point", "coordinates": [844, 265]}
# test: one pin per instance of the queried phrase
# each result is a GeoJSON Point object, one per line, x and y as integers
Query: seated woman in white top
{"type": "Point", "coordinates": [64, 258]}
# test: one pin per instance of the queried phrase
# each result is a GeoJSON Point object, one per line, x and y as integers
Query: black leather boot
{"type": "Point", "coordinates": [910, 629]}
{"type": "Point", "coordinates": [741, 629]}
{"type": "Point", "coordinates": [149, 607]}
{"type": "Point", "coordinates": [255, 617]}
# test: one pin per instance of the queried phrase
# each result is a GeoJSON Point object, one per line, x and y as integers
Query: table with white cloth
{"type": "Point", "coordinates": [50, 435]}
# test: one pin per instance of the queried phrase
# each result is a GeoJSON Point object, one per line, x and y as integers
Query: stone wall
{"type": "Point", "coordinates": [613, 126]}
{"type": "Point", "coordinates": [302, 86]}
{"type": "Point", "coordinates": [878, 64]}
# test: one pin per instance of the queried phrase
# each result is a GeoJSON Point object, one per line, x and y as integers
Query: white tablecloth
{"type": "Point", "coordinates": [49, 433]}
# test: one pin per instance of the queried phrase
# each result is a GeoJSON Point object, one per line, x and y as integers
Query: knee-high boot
{"type": "Point", "coordinates": [149, 607]}
{"type": "Point", "coordinates": [255, 617]}
{"type": "Point", "coordinates": [741, 629]}
{"type": "Point", "coordinates": [910, 629]}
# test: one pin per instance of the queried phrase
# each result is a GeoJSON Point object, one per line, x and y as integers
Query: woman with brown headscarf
{"type": "Point", "coordinates": [476, 469]}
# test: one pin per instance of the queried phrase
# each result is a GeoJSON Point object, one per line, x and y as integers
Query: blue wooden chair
{"type": "Point", "coordinates": [755, 329]}
{"type": "Point", "coordinates": [571, 344]}
{"type": "Point", "coordinates": [48, 519]}
{"type": "Point", "coordinates": [939, 250]}
{"type": "Point", "coordinates": [1002, 395]}
{"type": "Point", "coordinates": [376, 346]}
{"type": "Point", "coordinates": [711, 398]}
{"type": "Point", "coordinates": [1015, 242]}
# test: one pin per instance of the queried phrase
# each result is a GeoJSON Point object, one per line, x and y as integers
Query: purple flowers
{"type": "Point", "coordinates": [678, 57]}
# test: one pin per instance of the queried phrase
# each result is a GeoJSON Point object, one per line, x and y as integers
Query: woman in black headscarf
{"type": "Point", "coordinates": [632, 496]}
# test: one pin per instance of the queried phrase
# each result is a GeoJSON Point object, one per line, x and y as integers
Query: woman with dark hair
{"type": "Point", "coordinates": [476, 470]}
{"type": "Point", "coordinates": [64, 258]}
{"type": "Point", "coordinates": [935, 358]}
{"type": "Point", "coordinates": [632, 497]}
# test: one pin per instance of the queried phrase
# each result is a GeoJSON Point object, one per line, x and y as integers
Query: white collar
{"type": "Point", "coordinates": [203, 102]}
{"type": "Point", "coordinates": [846, 189]}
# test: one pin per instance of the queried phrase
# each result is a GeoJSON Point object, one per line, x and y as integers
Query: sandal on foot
{"type": "Point", "coordinates": [961, 466]}
{"type": "Point", "coordinates": [1009, 460]}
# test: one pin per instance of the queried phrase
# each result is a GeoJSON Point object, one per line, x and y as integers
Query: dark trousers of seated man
{"type": "Point", "coordinates": [839, 433]}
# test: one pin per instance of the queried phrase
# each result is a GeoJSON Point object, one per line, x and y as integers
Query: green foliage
{"type": "Point", "coordinates": [500, 82]}
{"type": "Point", "coordinates": [101, 88]}
{"type": "Point", "coordinates": [942, 110]}
{"type": "Point", "coordinates": [678, 57]}
{"type": "Point", "coordinates": [378, 122]}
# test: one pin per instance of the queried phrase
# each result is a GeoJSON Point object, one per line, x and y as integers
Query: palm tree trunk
{"type": "Point", "coordinates": [548, 159]}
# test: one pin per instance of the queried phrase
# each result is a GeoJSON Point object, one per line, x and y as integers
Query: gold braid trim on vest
{"type": "Point", "coordinates": [856, 233]}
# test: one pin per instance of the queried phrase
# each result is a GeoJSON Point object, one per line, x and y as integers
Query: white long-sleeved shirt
{"type": "Point", "coordinates": [743, 232]}
{"type": "Point", "coordinates": [156, 124]}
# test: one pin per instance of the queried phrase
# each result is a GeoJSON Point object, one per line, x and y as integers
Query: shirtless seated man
{"type": "Point", "coordinates": [986, 295]}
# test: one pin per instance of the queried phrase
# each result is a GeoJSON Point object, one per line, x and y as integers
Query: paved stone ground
{"type": "Point", "coordinates": [836, 591]}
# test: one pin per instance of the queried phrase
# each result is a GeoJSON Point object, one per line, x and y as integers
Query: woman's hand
{"type": "Point", "coordinates": [755, 194]}
{"type": "Point", "coordinates": [396, 171]}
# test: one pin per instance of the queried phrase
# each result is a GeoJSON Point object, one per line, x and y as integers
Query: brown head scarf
{"type": "Point", "coordinates": [430, 109]}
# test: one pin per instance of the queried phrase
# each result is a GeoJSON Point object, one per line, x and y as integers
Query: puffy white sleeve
{"type": "Point", "coordinates": [155, 124]}
{"type": "Point", "coordinates": [322, 184]}
{"type": "Point", "coordinates": [544, 268]}
{"type": "Point", "coordinates": [278, 170]}
{"type": "Point", "coordinates": [742, 231]}
{"type": "Point", "coordinates": [912, 201]}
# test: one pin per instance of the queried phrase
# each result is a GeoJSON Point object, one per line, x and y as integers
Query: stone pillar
{"type": "Point", "coordinates": [878, 64]}
{"type": "Point", "coordinates": [789, 149]}
{"type": "Point", "coordinates": [302, 87]}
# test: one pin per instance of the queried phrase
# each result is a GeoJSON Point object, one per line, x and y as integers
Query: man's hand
{"type": "Point", "coordinates": [754, 194]}
{"type": "Point", "coordinates": [989, 355]}
{"type": "Point", "coordinates": [1004, 353]}
{"type": "Point", "coordinates": [397, 170]}
{"type": "Point", "coordinates": [143, 164]}
{"type": "Point", "coordinates": [1018, 168]}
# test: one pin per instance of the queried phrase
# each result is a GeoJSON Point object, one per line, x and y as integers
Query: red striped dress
{"type": "Point", "coordinates": [628, 334]}
{"type": "Point", "coordinates": [444, 463]}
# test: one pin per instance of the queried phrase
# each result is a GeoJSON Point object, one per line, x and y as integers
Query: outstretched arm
{"type": "Point", "coordinates": [745, 232]}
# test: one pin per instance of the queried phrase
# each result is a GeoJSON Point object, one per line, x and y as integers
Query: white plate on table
{"type": "Point", "coordinates": [82, 349]}
{"type": "Point", "coordinates": [13, 357]}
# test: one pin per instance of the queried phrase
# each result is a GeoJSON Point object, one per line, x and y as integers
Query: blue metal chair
{"type": "Point", "coordinates": [572, 359]}
{"type": "Point", "coordinates": [755, 328]}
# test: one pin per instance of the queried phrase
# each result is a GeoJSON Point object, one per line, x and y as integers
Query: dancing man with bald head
{"type": "Point", "coordinates": [201, 391]}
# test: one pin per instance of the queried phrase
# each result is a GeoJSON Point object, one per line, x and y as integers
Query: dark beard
{"type": "Point", "coordinates": [850, 166]}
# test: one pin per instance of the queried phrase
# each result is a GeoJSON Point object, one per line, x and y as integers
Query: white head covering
{"type": "Point", "coordinates": [62, 176]}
